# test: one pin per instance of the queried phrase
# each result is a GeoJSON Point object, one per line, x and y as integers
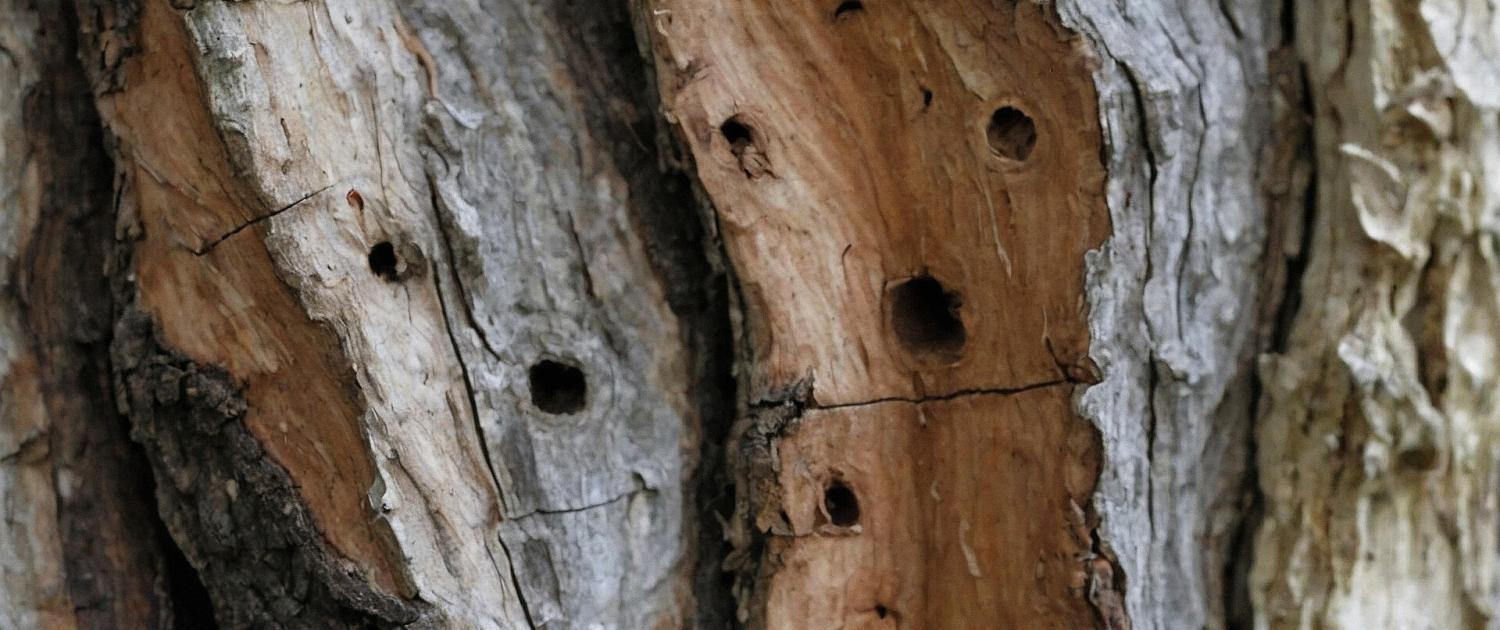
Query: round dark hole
{"type": "Point", "coordinates": [1012, 133]}
{"type": "Point", "coordinates": [558, 388]}
{"type": "Point", "coordinates": [881, 611]}
{"type": "Point", "coordinates": [383, 261]}
{"type": "Point", "coordinates": [848, 8]}
{"type": "Point", "coordinates": [925, 317]}
{"type": "Point", "coordinates": [736, 132]}
{"type": "Point", "coordinates": [841, 504]}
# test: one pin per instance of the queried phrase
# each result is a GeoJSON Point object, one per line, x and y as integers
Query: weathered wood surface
{"type": "Point", "coordinates": [888, 180]}
{"type": "Point", "coordinates": [415, 322]}
{"type": "Point", "coordinates": [1378, 437]}
{"type": "Point", "coordinates": [856, 155]}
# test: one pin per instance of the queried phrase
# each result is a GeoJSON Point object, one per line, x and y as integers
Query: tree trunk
{"type": "Point", "coordinates": [691, 313]}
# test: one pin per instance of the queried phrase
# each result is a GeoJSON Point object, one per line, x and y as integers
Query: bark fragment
{"type": "Point", "coordinates": [235, 512]}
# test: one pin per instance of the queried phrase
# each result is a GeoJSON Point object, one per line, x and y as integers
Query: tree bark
{"type": "Point", "coordinates": [79, 542]}
{"type": "Point", "coordinates": [1377, 439]}
{"type": "Point", "coordinates": [672, 313]}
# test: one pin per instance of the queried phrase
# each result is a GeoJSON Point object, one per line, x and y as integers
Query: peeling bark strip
{"type": "Point", "coordinates": [890, 179]}
{"type": "Point", "coordinates": [1378, 443]}
{"type": "Point", "coordinates": [78, 541]}
{"type": "Point", "coordinates": [400, 254]}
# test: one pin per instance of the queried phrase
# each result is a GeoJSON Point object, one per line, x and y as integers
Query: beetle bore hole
{"type": "Point", "coordinates": [881, 611]}
{"type": "Point", "coordinates": [925, 317]}
{"type": "Point", "coordinates": [384, 262]}
{"type": "Point", "coordinates": [557, 388]}
{"type": "Point", "coordinates": [736, 132]}
{"type": "Point", "coordinates": [847, 9]}
{"type": "Point", "coordinates": [1011, 133]}
{"type": "Point", "coordinates": [841, 504]}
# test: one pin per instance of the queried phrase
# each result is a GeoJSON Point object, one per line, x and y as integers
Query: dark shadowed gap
{"type": "Point", "coordinates": [191, 607]}
{"type": "Point", "coordinates": [1278, 310]}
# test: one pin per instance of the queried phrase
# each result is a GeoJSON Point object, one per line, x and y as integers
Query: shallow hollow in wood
{"type": "Point", "coordinates": [969, 514]}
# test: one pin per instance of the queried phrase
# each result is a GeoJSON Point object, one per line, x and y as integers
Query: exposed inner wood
{"type": "Point", "coordinates": [889, 180]}
{"type": "Point", "coordinates": [969, 511]}
{"type": "Point", "coordinates": [218, 298]}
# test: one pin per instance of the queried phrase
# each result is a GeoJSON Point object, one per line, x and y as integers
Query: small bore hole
{"type": "Point", "coordinates": [841, 504]}
{"type": "Point", "coordinates": [736, 132]}
{"type": "Point", "coordinates": [744, 145]}
{"type": "Point", "coordinates": [1012, 134]}
{"type": "Point", "coordinates": [557, 388]}
{"type": "Point", "coordinates": [384, 262]}
{"type": "Point", "coordinates": [926, 98]}
{"type": "Point", "coordinates": [924, 315]}
{"type": "Point", "coordinates": [847, 9]}
{"type": "Point", "coordinates": [880, 611]}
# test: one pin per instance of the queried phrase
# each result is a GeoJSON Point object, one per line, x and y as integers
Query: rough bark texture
{"type": "Point", "coordinates": [78, 537]}
{"type": "Point", "coordinates": [1378, 442]}
{"type": "Point", "coordinates": [1185, 107]}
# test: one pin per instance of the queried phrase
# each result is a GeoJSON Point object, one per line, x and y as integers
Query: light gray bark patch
{"type": "Point", "coordinates": [1184, 105]}
{"type": "Point", "coordinates": [234, 512]}
{"type": "Point", "coordinates": [574, 254]}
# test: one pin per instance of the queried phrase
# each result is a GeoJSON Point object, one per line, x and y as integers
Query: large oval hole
{"type": "Point", "coordinates": [841, 504]}
{"type": "Point", "coordinates": [1011, 133]}
{"type": "Point", "coordinates": [925, 317]}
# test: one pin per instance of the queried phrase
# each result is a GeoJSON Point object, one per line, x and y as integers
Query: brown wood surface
{"type": "Point", "coordinates": [849, 149]}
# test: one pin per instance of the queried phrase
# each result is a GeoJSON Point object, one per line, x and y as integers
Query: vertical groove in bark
{"type": "Point", "coordinates": [79, 532]}
{"type": "Point", "coordinates": [1378, 433]}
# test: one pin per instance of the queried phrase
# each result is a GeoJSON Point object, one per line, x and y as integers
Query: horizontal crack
{"type": "Point", "coordinates": [215, 243]}
{"type": "Point", "coordinates": [585, 508]}
{"type": "Point", "coordinates": [949, 396]}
